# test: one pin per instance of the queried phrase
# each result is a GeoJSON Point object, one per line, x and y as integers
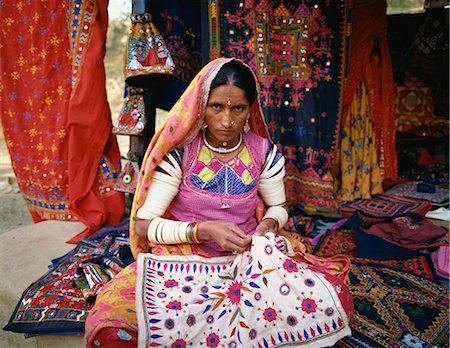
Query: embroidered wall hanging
{"type": "Point", "coordinates": [132, 118]}
{"type": "Point", "coordinates": [180, 23]}
{"type": "Point", "coordinates": [146, 50]}
{"type": "Point", "coordinates": [127, 179]}
{"type": "Point", "coordinates": [297, 52]}
{"type": "Point", "coordinates": [412, 106]}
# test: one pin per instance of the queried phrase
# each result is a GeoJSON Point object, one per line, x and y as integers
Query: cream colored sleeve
{"type": "Point", "coordinates": [163, 189]}
{"type": "Point", "coordinates": [271, 187]}
{"type": "Point", "coordinates": [271, 184]}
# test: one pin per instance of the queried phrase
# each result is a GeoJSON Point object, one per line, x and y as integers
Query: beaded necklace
{"type": "Point", "coordinates": [222, 149]}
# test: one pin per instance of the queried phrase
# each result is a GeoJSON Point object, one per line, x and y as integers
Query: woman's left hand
{"type": "Point", "coordinates": [265, 226]}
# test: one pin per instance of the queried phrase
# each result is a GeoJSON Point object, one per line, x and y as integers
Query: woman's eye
{"type": "Point", "coordinates": [238, 108]}
{"type": "Point", "coordinates": [215, 106]}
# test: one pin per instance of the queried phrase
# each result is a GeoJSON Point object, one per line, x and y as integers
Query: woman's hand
{"type": "Point", "coordinates": [265, 226]}
{"type": "Point", "coordinates": [142, 227]}
{"type": "Point", "coordinates": [228, 235]}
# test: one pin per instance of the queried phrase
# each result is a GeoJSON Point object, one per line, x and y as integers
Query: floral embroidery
{"type": "Point", "coordinates": [270, 314]}
{"type": "Point", "coordinates": [170, 283]}
{"type": "Point", "coordinates": [235, 301]}
{"type": "Point", "coordinates": [234, 292]}
{"type": "Point", "coordinates": [179, 343]}
{"type": "Point", "coordinates": [290, 266]}
{"type": "Point", "coordinates": [212, 340]}
{"type": "Point", "coordinates": [176, 305]}
{"type": "Point", "coordinates": [309, 305]}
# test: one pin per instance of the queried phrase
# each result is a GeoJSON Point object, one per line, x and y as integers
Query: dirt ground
{"type": "Point", "coordinates": [13, 212]}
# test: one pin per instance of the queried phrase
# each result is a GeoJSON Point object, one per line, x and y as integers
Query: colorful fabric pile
{"type": "Point", "coordinates": [59, 301]}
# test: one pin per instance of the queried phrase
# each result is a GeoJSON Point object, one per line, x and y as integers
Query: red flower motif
{"type": "Point", "coordinates": [179, 343]}
{"type": "Point", "coordinates": [290, 266]}
{"type": "Point", "coordinates": [176, 305]}
{"type": "Point", "coordinates": [234, 292]}
{"type": "Point", "coordinates": [309, 305]}
{"type": "Point", "coordinates": [270, 314]}
{"type": "Point", "coordinates": [170, 283]}
{"type": "Point", "coordinates": [212, 340]}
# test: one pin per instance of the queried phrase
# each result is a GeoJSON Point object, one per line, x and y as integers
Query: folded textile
{"type": "Point", "coordinates": [440, 258]}
{"type": "Point", "coordinates": [407, 231]}
{"type": "Point", "coordinates": [373, 247]}
{"type": "Point", "coordinates": [439, 214]}
{"type": "Point", "coordinates": [421, 190]}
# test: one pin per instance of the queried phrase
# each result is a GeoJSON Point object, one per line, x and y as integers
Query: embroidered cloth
{"type": "Point", "coordinates": [296, 49]}
{"type": "Point", "coordinates": [258, 298]}
{"type": "Point", "coordinates": [382, 207]}
{"type": "Point", "coordinates": [54, 110]}
{"type": "Point", "coordinates": [439, 197]}
{"type": "Point", "coordinates": [370, 61]}
{"type": "Point", "coordinates": [53, 304]}
{"type": "Point", "coordinates": [397, 309]}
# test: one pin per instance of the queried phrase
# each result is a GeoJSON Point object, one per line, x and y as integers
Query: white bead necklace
{"type": "Point", "coordinates": [222, 149]}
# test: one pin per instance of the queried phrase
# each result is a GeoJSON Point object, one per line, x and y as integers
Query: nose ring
{"type": "Point", "coordinates": [232, 123]}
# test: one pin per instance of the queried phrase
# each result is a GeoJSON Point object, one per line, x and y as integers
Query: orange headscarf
{"type": "Point", "coordinates": [180, 127]}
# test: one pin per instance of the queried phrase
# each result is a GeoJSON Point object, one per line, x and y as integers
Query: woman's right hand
{"type": "Point", "coordinates": [228, 235]}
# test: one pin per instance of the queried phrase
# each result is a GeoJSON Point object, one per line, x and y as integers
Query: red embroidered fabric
{"type": "Point", "coordinates": [54, 111]}
{"type": "Point", "coordinates": [370, 61]}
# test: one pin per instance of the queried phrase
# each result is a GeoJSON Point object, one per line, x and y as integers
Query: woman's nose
{"type": "Point", "coordinates": [227, 120]}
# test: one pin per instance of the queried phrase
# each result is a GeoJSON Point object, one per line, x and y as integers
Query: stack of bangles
{"type": "Point", "coordinates": [191, 233]}
{"type": "Point", "coordinates": [164, 231]}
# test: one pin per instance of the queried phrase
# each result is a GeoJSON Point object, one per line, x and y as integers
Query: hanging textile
{"type": "Point", "coordinates": [132, 118]}
{"type": "Point", "coordinates": [359, 170]}
{"type": "Point", "coordinates": [146, 52]}
{"type": "Point", "coordinates": [369, 60]}
{"type": "Point", "coordinates": [296, 50]}
{"type": "Point", "coordinates": [54, 111]}
{"type": "Point", "coordinates": [179, 22]}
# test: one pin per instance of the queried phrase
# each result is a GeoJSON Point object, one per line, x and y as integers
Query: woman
{"type": "Point", "coordinates": [208, 202]}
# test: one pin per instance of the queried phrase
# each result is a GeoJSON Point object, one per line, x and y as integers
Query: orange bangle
{"type": "Point", "coordinates": [194, 234]}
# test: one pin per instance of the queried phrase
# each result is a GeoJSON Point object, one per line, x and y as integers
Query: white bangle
{"type": "Point", "coordinates": [278, 213]}
{"type": "Point", "coordinates": [164, 231]}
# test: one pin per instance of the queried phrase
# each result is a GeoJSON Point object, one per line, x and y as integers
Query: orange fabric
{"type": "Point", "coordinates": [89, 127]}
{"type": "Point", "coordinates": [370, 61]}
{"type": "Point", "coordinates": [181, 125]}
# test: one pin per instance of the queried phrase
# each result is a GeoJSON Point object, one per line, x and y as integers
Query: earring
{"type": "Point", "coordinates": [246, 126]}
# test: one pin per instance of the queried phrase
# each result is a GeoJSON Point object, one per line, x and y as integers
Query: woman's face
{"type": "Point", "coordinates": [226, 113]}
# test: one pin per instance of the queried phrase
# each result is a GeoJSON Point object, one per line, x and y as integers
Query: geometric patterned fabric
{"type": "Point", "coordinates": [397, 309]}
{"type": "Point", "coordinates": [296, 49]}
{"type": "Point", "coordinates": [233, 177]}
